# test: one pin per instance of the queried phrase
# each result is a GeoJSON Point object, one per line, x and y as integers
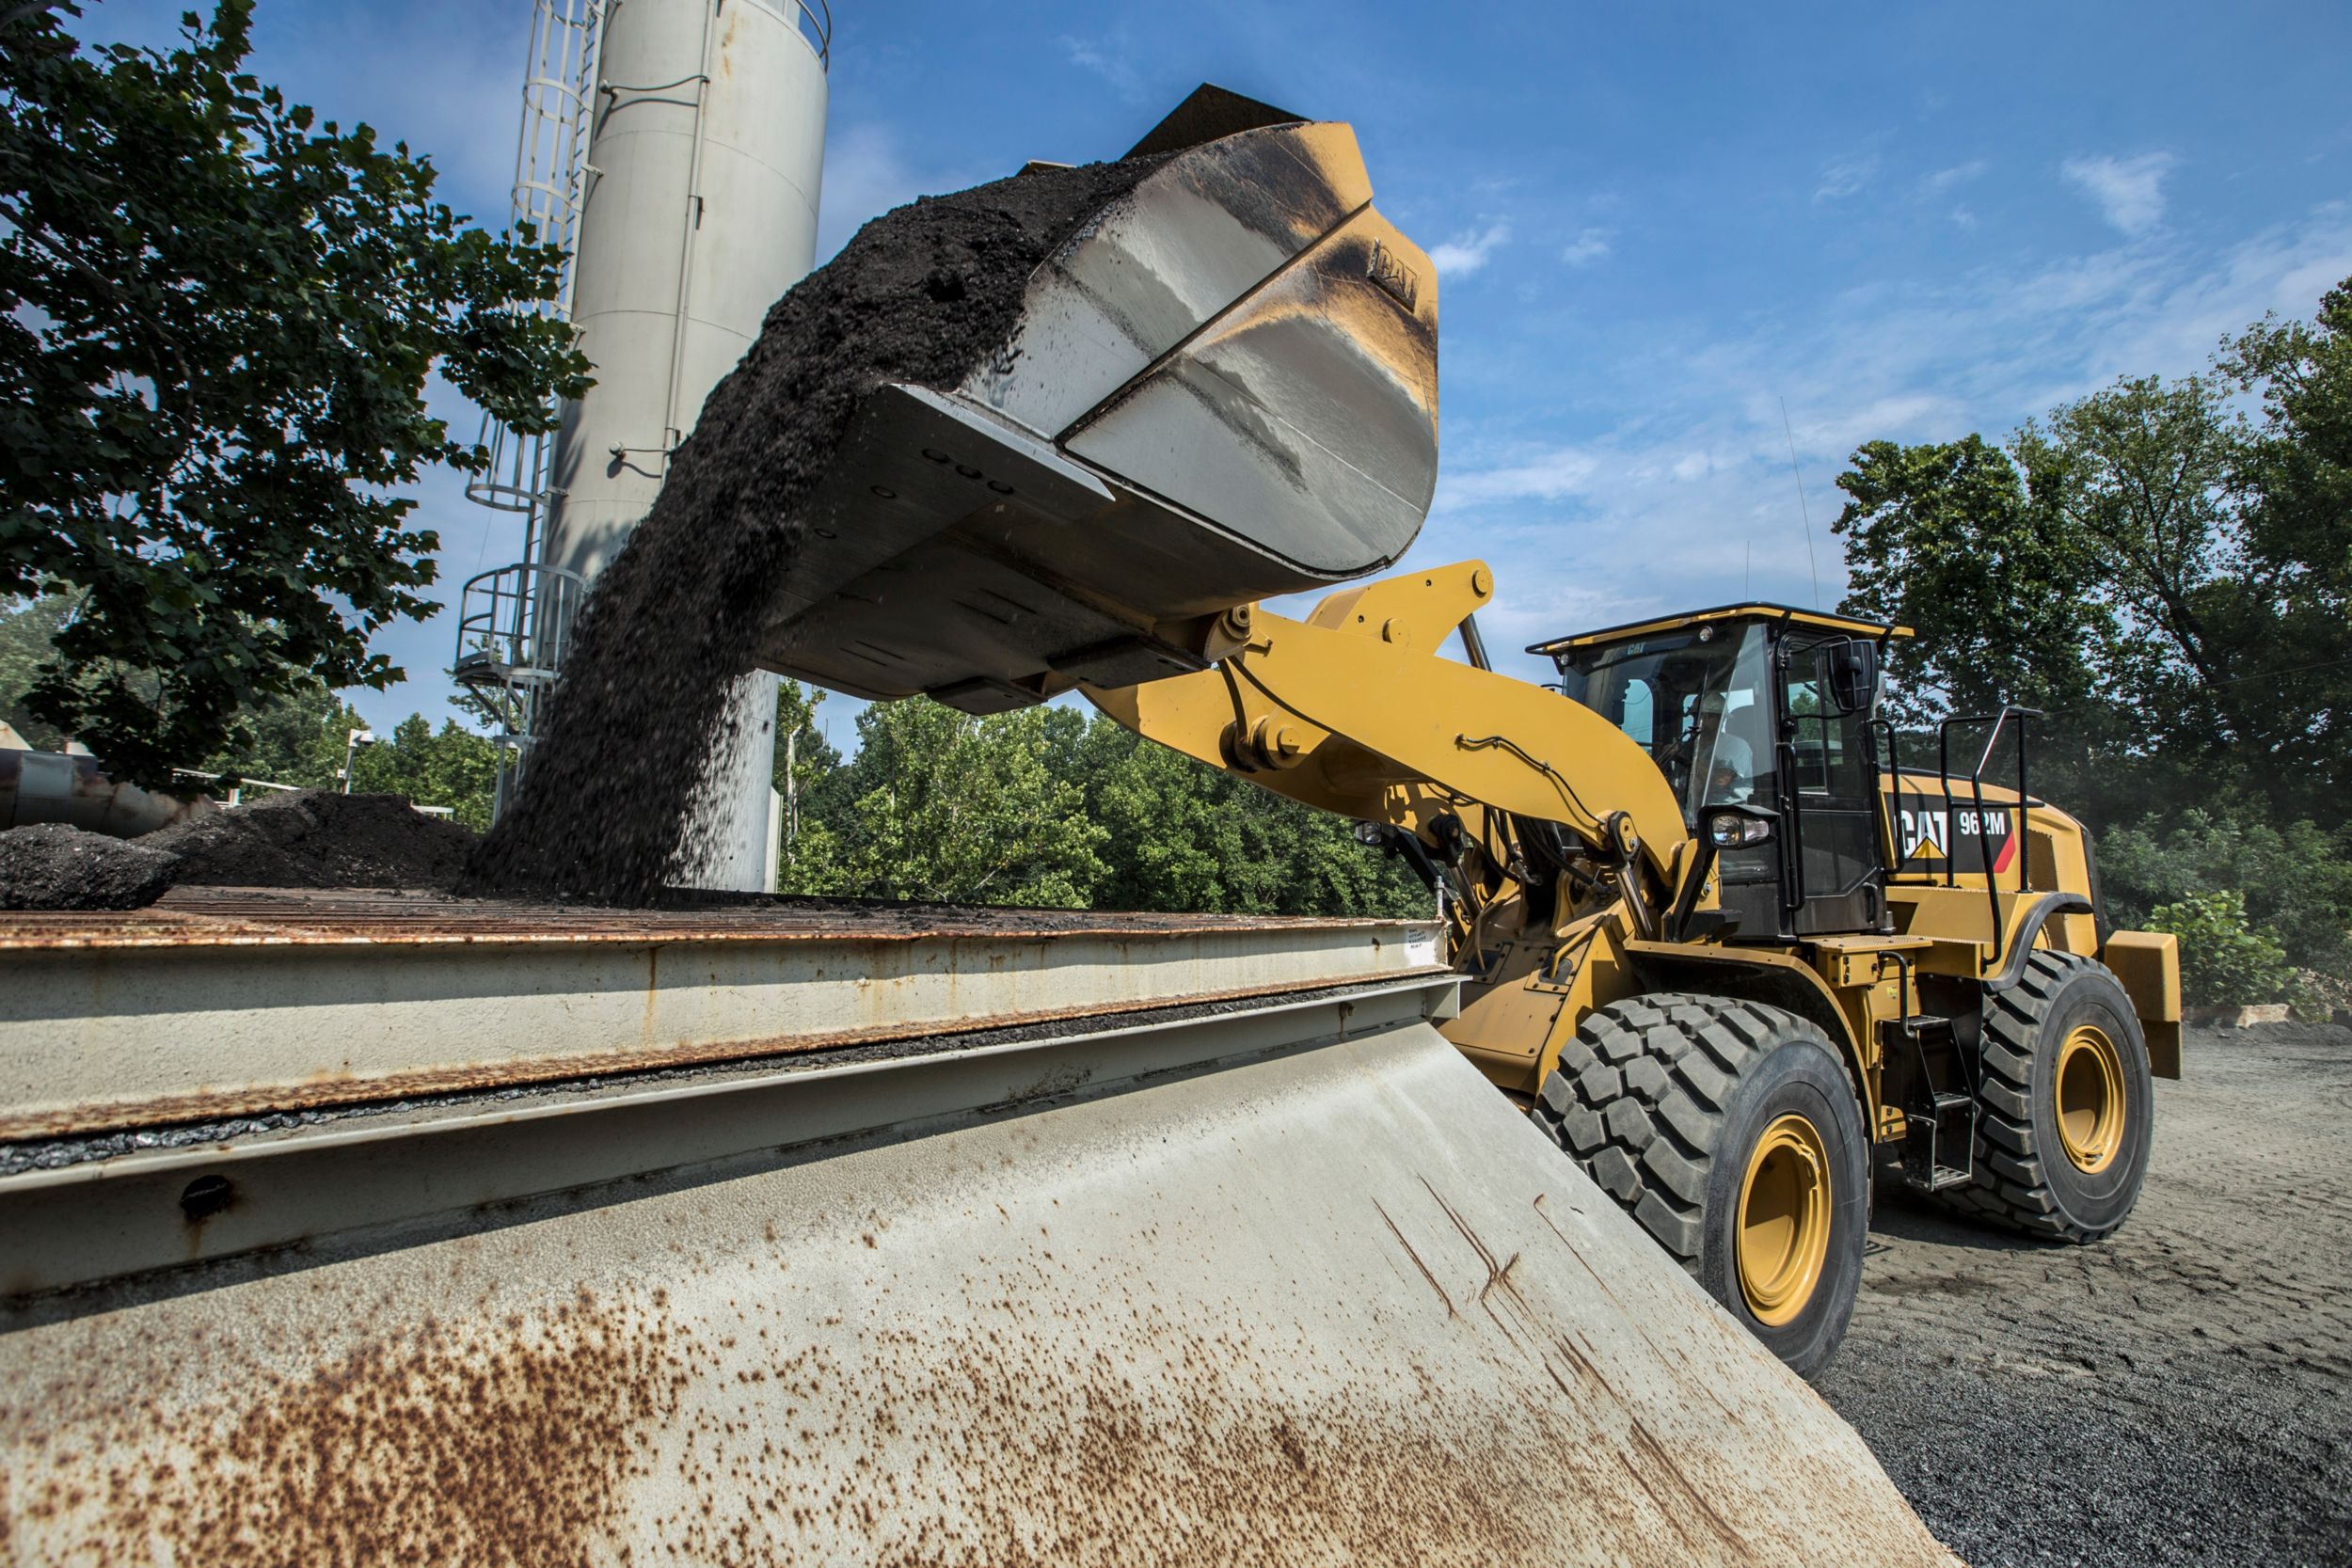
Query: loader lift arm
{"type": "Point", "coordinates": [1350, 712]}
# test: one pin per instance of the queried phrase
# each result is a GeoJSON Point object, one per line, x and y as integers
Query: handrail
{"type": "Point", "coordinates": [1975, 787]}
{"type": "Point", "coordinates": [518, 616]}
{"type": "Point", "coordinates": [814, 26]}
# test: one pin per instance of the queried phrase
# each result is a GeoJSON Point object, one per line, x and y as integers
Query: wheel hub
{"type": "Point", "coordinates": [1784, 1220]}
{"type": "Point", "coordinates": [2088, 1088]}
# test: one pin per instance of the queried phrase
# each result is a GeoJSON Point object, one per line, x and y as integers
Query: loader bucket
{"type": "Point", "coordinates": [1222, 388]}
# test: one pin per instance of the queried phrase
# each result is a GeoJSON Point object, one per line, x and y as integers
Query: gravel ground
{"type": "Point", "coordinates": [2180, 1393]}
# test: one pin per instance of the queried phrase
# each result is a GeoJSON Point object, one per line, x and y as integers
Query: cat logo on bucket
{"type": "Point", "coordinates": [1969, 837]}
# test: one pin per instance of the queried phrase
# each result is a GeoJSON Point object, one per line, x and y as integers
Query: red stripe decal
{"type": "Point", "coordinates": [2009, 853]}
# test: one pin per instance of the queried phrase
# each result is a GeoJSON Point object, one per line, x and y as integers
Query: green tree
{"type": "Point", "coordinates": [2296, 881]}
{"type": "Point", "coordinates": [450, 767]}
{"type": "Point", "coordinates": [2148, 483]}
{"type": "Point", "coordinates": [300, 739]}
{"type": "Point", "coordinates": [1953, 540]}
{"type": "Point", "coordinates": [1184, 836]}
{"type": "Point", "coordinates": [2296, 477]}
{"type": "Point", "coordinates": [808, 774]}
{"type": "Point", "coordinates": [2123, 565]}
{"type": "Point", "coordinates": [2224, 959]}
{"type": "Point", "coordinates": [945, 806]}
{"type": "Point", "coordinates": [296, 737]}
{"type": "Point", "coordinates": [217, 316]}
{"type": "Point", "coordinates": [28, 630]}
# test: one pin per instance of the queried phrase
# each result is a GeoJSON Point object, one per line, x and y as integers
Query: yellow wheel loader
{"type": "Point", "coordinates": [1725, 945]}
{"type": "Point", "coordinates": [1729, 952]}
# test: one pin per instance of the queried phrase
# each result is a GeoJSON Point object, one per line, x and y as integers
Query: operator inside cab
{"type": "Point", "coordinates": [1695, 700]}
{"type": "Point", "coordinates": [1731, 767]}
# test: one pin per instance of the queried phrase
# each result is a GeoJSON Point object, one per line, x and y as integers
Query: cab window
{"type": "Point", "coordinates": [1825, 747]}
{"type": "Point", "coordinates": [1695, 700]}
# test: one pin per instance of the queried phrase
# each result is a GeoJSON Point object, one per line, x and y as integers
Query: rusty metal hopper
{"type": "Point", "coordinates": [1222, 389]}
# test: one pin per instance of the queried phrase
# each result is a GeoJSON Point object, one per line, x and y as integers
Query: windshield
{"type": "Point", "coordinates": [1693, 700]}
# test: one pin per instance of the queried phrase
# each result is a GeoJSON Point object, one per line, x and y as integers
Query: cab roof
{"type": "Point", "coordinates": [1751, 610]}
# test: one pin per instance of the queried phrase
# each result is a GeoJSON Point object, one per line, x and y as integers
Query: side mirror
{"type": "Point", "coordinates": [1853, 676]}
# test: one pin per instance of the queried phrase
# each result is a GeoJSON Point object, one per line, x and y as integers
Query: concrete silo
{"type": "Point", "coordinates": [705, 136]}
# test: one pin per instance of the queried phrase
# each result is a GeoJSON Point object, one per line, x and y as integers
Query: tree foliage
{"type": "Point", "coordinates": [2171, 580]}
{"type": "Point", "coordinates": [1957, 541]}
{"type": "Point", "coordinates": [2224, 958]}
{"type": "Point", "coordinates": [1046, 807]}
{"type": "Point", "coordinates": [1187, 837]}
{"type": "Point", "coordinates": [2168, 579]}
{"type": "Point", "coordinates": [28, 630]}
{"type": "Point", "coordinates": [217, 316]}
{"type": "Point", "coordinates": [2296, 881]}
{"type": "Point", "coordinates": [301, 739]}
{"type": "Point", "coordinates": [2297, 481]}
{"type": "Point", "coordinates": [939, 805]}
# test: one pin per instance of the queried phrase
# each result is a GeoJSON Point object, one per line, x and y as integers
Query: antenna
{"type": "Point", "coordinates": [1805, 511]}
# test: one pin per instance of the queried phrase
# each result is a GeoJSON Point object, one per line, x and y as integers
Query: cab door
{"type": "Point", "coordinates": [1829, 799]}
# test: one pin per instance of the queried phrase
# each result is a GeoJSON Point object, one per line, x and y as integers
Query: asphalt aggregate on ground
{"type": "Point", "coordinates": [2179, 1393]}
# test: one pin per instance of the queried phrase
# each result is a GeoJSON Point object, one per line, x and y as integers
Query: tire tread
{"type": "Point", "coordinates": [2011, 1189]}
{"type": "Point", "coordinates": [1669, 1065]}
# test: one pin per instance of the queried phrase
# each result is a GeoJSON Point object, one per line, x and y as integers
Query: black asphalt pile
{"type": "Point", "coordinates": [52, 867]}
{"type": "Point", "coordinates": [317, 839]}
{"type": "Point", "coordinates": [922, 294]}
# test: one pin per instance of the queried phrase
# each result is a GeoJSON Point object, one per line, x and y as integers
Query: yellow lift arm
{"type": "Point", "coordinates": [1351, 711]}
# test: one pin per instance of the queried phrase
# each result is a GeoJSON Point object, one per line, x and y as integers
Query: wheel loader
{"type": "Point", "coordinates": [1733, 952]}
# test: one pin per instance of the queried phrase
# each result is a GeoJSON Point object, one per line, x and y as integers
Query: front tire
{"type": "Point", "coordinates": [1729, 1130]}
{"type": "Point", "coordinates": [2066, 1109]}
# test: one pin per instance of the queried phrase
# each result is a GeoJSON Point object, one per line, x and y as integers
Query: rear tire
{"type": "Point", "coordinates": [1729, 1130]}
{"type": "Point", "coordinates": [2067, 1108]}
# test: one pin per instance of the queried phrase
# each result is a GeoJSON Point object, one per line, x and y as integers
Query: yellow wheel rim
{"type": "Point", "coordinates": [1784, 1220]}
{"type": "Point", "coordinates": [2087, 1089]}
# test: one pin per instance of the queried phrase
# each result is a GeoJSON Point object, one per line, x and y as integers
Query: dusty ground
{"type": "Point", "coordinates": [2181, 1393]}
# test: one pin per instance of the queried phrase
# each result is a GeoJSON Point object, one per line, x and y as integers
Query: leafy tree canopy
{"type": "Point", "coordinates": [939, 805]}
{"type": "Point", "coordinates": [2165, 566]}
{"type": "Point", "coordinates": [1951, 540]}
{"type": "Point", "coordinates": [1046, 807]}
{"type": "Point", "coordinates": [302, 738]}
{"type": "Point", "coordinates": [217, 316]}
{"type": "Point", "coordinates": [2168, 579]}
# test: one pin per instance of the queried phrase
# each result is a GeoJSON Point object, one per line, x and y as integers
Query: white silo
{"type": "Point", "coordinates": [705, 156]}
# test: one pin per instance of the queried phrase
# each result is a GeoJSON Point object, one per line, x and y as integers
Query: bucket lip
{"type": "Point", "coordinates": [1209, 113]}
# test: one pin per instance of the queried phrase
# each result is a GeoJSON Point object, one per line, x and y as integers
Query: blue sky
{"type": "Point", "coordinates": [1655, 225]}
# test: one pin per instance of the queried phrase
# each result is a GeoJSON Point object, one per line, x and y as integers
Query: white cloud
{"type": "Point", "coordinates": [1962, 218]}
{"type": "Point", "coordinates": [1551, 475]}
{"type": "Point", "coordinates": [2129, 191]}
{"type": "Point", "coordinates": [1110, 60]}
{"type": "Point", "coordinates": [1845, 176]}
{"type": "Point", "coordinates": [1683, 494]}
{"type": "Point", "coordinates": [1946, 179]}
{"type": "Point", "coordinates": [1468, 251]}
{"type": "Point", "coordinates": [1589, 245]}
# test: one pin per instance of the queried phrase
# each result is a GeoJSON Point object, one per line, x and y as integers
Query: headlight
{"type": "Point", "coordinates": [1731, 830]}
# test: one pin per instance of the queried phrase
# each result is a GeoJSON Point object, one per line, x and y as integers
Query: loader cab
{"type": "Point", "coordinates": [1768, 709]}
